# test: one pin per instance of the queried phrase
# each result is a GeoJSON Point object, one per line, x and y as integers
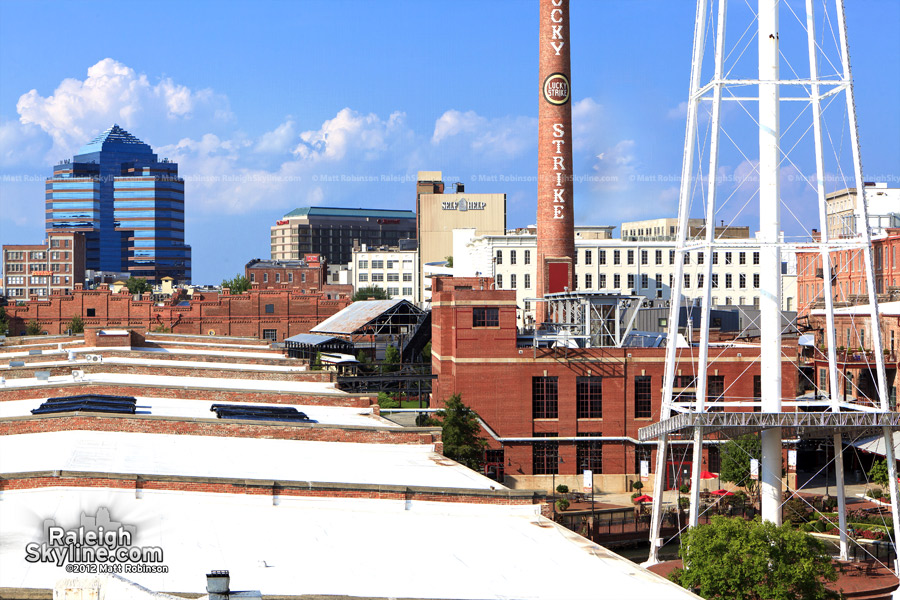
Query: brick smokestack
{"type": "Point", "coordinates": [555, 218]}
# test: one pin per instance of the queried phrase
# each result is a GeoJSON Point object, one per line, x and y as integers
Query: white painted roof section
{"type": "Point", "coordinates": [242, 458]}
{"type": "Point", "coordinates": [162, 362]}
{"type": "Point", "coordinates": [886, 309]}
{"type": "Point", "coordinates": [326, 546]}
{"type": "Point", "coordinates": [186, 351]}
{"type": "Point", "coordinates": [875, 444]}
{"type": "Point", "coordinates": [213, 383]}
{"type": "Point", "coordinates": [200, 409]}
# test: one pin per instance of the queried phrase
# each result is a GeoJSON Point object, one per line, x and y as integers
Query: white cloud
{"type": "Point", "coordinates": [112, 92]}
{"type": "Point", "coordinates": [279, 140]}
{"type": "Point", "coordinates": [504, 136]}
{"type": "Point", "coordinates": [349, 132]}
{"type": "Point", "coordinates": [21, 145]}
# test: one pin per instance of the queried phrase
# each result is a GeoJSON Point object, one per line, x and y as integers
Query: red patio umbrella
{"type": "Point", "coordinates": [643, 498]}
{"type": "Point", "coordinates": [707, 475]}
{"type": "Point", "coordinates": [722, 493]}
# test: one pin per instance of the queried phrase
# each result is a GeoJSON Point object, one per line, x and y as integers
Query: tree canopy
{"type": "Point", "coordinates": [138, 285]}
{"type": "Point", "coordinates": [461, 432]}
{"type": "Point", "coordinates": [735, 458]}
{"type": "Point", "coordinates": [367, 293]}
{"type": "Point", "coordinates": [879, 473]}
{"type": "Point", "coordinates": [391, 360]}
{"type": "Point", "coordinates": [238, 285]}
{"type": "Point", "coordinates": [4, 321]}
{"type": "Point", "coordinates": [33, 328]}
{"type": "Point", "coordinates": [76, 324]}
{"type": "Point", "coordinates": [753, 560]}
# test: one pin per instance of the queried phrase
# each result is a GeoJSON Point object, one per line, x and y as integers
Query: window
{"type": "Point", "coordinates": [392, 264]}
{"type": "Point", "coordinates": [631, 257]}
{"type": "Point", "coordinates": [671, 257]}
{"type": "Point", "coordinates": [364, 264]}
{"type": "Point", "coordinates": [407, 277]}
{"type": "Point", "coordinates": [252, 277]}
{"type": "Point", "coordinates": [377, 264]}
{"type": "Point", "coordinates": [528, 257]}
{"type": "Point", "coordinates": [512, 257]}
{"type": "Point", "coordinates": [588, 257]}
{"type": "Point", "coordinates": [659, 280]}
{"type": "Point", "coordinates": [364, 277]}
{"type": "Point", "coordinates": [642, 453]}
{"type": "Point", "coordinates": [588, 281]}
{"type": "Point", "coordinates": [728, 281]}
{"type": "Point", "coordinates": [270, 309]}
{"type": "Point", "coordinates": [377, 276]}
{"type": "Point", "coordinates": [544, 397]}
{"type": "Point", "coordinates": [290, 277]}
{"type": "Point", "coordinates": [601, 257]}
{"type": "Point", "coordinates": [728, 258]}
{"type": "Point", "coordinates": [589, 455]}
{"type": "Point", "coordinates": [407, 291]}
{"type": "Point", "coordinates": [392, 291]}
{"type": "Point", "coordinates": [485, 317]}
{"type": "Point", "coordinates": [545, 457]}
{"type": "Point", "coordinates": [602, 281]}
{"type": "Point", "coordinates": [90, 312]}
{"type": "Point", "coordinates": [742, 258]}
{"type": "Point", "coordinates": [715, 258]}
{"type": "Point", "coordinates": [645, 258]}
{"type": "Point", "coordinates": [715, 281]}
{"type": "Point", "coordinates": [589, 397]}
{"type": "Point", "coordinates": [393, 276]}
{"type": "Point", "coordinates": [270, 334]}
{"type": "Point", "coordinates": [687, 258]}
{"type": "Point", "coordinates": [265, 278]}
{"type": "Point", "coordinates": [659, 257]}
{"type": "Point", "coordinates": [701, 258]}
{"type": "Point", "coordinates": [687, 280]}
{"type": "Point", "coordinates": [631, 280]}
{"type": "Point", "coordinates": [617, 281]}
{"type": "Point", "coordinates": [499, 281]}
{"type": "Point", "coordinates": [700, 279]}
{"type": "Point", "coordinates": [714, 463]}
{"type": "Point", "coordinates": [645, 281]}
{"type": "Point", "coordinates": [756, 280]}
{"type": "Point", "coordinates": [512, 281]}
{"type": "Point", "coordinates": [642, 391]}
{"type": "Point", "coordinates": [499, 257]}
{"type": "Point", "coordinates": [527, 281]}
{"type": "Point", "coordinates": [617, 257]}
{"type": "Point", "coordinates": [715, 392]}
{"type": "Point", "coordinates": [277, 277]}
{"type": "Point", "coordinates": [742, 281]}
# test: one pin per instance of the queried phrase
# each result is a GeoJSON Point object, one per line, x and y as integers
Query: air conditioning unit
{"type": "Point", "coordinates": [77, 374]}
{"type": "Point", "coordinates": [93, 358]}
{"type": "Point", "coordinates": [645, 304]}
{"type": "Point", "coordinates": [667, 303]}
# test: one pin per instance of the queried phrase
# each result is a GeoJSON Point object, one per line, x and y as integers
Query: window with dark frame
{"type": "Point", "coordinates": [589, 397]}
{"type": "Point", "coordinates": [270, 309]}
{"type": "Point", "coordinates": [642, 395]}
{"type": "Point", "coordinates": [545, 456]}
{"type": "Point", "coordinates": [486, 317]}
{"type": "Point", "coordinates": [715, 392]}
{"type": "Point", "coordinates": [589, 455]}
{"type": "Point", "coordinates": [757, 392]}
{"type": "Point", "coordinates": [713, 462]}
{"type": "Point", "coordinates": [545, 397]}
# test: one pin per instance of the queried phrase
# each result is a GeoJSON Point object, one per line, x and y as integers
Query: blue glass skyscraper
{"type": "Point", "coordinates": [128, 204]}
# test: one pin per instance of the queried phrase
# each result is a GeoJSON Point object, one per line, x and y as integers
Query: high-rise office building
{"type": "Point", "coordinates": [128, 204]}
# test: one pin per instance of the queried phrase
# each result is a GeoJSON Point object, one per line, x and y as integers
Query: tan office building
{"type": "Point", "coordinates": [439, 213]}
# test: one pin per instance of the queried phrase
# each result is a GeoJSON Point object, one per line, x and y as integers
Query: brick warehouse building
{"type": "Point", "coordinates": [523, 393]}
{"type": "Point", "coordinates": [307, 275]}
{"type": "Point", "coordinates": [268, 314]}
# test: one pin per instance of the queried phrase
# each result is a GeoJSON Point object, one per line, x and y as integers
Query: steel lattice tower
{"type": "Point", "coordinates": [770, 91]}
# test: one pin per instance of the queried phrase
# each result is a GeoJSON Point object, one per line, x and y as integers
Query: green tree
{"type": "Point", "coordinates": [4, 321]}
{"type": "Point", "coordinates": [76, 325]}
{"type": "Point", "coordinates": [33, 328]}
{"type": "Point", "coordinates": [461, 430]}
{"type": "Point", "coordinates": [137, 285]}
{"type": "Point", "coordinates": [735, 458]}
{"type": "Point", "coordinates": [366, 293]}
{"type": "Point", "coordinates": [449, 260]}
{"type": "Point", "coordinates": [753, 560]}
{"type": "Point", "coordinates": [879, 473]}
{"type": "Point", "coordinates": [238, 285]}
{"type": "Point", "coordinates": [386, 400]}
{"type": "Point", "coordinates": [391, 361]}
{"type": "Point", "coordinates": [317, 362]}
{"type": "Point", "coordinates": [426, 353]}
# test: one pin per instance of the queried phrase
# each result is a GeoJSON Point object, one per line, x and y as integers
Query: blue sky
{"type": "Point", "coordinates": [260, 102]}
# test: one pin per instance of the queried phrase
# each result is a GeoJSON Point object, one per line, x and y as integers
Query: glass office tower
{"type": "Point", "coordinates": [128, 204]}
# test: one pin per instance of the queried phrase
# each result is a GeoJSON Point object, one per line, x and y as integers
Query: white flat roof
{"type": "Point", "coordinates": [199, 409]}
{"type": "Point", "coordinates": [885, 309]}
{"type": "Point", "coordinates": [246, 458]}
{"type": "Point", "coordinates": [250, 385]}
{"type": "Point", "coordinates": [101, 349]}
{"type": "Point", "coordinates": [161, 362]}
{"type": "Point", "coordinates": [335, 546]}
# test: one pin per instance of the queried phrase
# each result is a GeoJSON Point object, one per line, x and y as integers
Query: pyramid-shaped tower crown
{"type": "Point", "coordinates": [118, 136]}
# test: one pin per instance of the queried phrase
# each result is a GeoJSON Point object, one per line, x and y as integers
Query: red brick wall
{"type": "Point", "coordinates": [212, 371]}
{"type": "Point", "coordinates": [228, 315]}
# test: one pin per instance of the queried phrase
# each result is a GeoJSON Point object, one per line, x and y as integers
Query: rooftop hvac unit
{"type": "Point", "coordinates": [93, 358]}
{"type": "Point", "coordinates": [78, 375]}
